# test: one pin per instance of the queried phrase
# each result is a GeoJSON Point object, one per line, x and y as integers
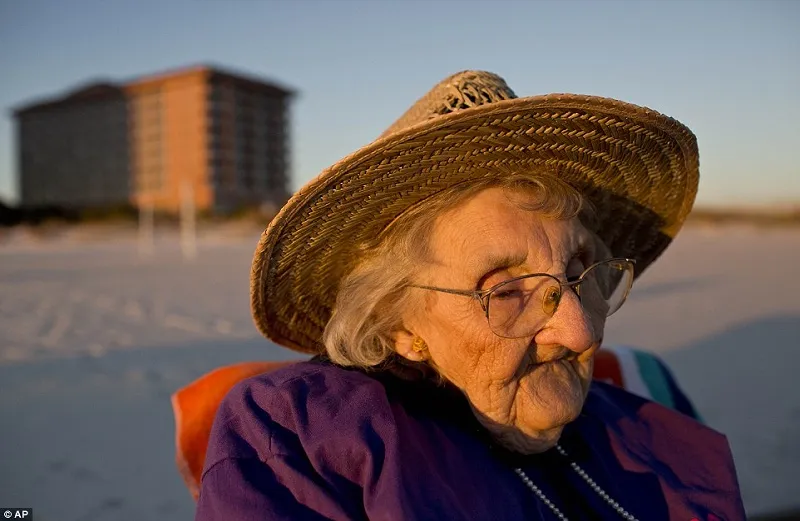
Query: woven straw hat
{"type": "Point", "coordinates": [639, 168]}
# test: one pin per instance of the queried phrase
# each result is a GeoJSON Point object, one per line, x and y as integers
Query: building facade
{"type": "Point", "coordinates": [218, 139]}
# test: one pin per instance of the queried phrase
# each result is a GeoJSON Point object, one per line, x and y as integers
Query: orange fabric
{"type": "Point", "coordinates": [196, 405]}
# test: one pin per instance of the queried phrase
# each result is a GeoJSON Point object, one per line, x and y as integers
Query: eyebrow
{"type": "Point", "coordinates": [495, 262]}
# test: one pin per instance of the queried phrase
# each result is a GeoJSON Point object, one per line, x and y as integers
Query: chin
{"type": "Point", "coordinates": [559, 416]}
{"type": "Point", "coordinates": [549, 403]}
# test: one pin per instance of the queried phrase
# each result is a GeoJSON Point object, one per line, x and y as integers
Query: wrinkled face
{"type": "Point", "coordinates": [524, 390]}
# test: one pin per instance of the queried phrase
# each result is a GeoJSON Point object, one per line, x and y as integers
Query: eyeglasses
{"type": "Point", "coordinates": [519, 307]}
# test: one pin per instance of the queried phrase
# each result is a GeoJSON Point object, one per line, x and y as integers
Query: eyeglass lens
{"type": "Point", "coordinates": [519, 307]}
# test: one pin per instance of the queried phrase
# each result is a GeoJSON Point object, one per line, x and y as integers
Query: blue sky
{"type": "Point", "coordinates": [729, 69]}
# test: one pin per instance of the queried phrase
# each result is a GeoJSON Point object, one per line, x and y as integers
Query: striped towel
{"type": "Point", "coordinates": [643, 374]}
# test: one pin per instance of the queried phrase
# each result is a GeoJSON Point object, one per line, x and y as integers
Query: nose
{"type": "Point", "coordinates": [570, 326]}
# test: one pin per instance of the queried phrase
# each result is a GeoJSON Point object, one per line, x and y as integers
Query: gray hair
{"type": "Point", "coordinates": [373, 298]}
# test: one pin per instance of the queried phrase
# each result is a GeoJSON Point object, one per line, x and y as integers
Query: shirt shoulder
{"type": "Point", "coordinates": [617, 406]}
{"type": "Point", "coordinates": [298, 409]}
{"type": "Point", "coordinates": [686, 454]}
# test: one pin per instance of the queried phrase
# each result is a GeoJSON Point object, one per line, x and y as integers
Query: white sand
{"type": "Point", "coordinates": [93, 340]}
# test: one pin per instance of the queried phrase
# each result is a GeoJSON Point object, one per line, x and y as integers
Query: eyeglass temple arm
{"type": "Point", "coordinates": [464, 292]}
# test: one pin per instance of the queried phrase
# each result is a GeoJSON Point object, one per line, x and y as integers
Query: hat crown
{"type": "Point", "coordinates": [461, 91]}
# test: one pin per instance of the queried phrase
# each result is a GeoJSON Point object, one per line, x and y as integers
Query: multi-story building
{"type": "Point", "coordinates": [219, 138]}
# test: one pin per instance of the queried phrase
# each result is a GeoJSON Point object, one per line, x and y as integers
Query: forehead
{"type": "Point", "coordinates": [493, 225]}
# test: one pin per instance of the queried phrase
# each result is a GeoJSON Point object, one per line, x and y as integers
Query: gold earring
{"type": "Point", "coordinates": [419, 345]}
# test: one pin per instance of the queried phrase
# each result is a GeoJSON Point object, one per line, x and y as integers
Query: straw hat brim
{"type": "Point", "coordinates": [638, 168]}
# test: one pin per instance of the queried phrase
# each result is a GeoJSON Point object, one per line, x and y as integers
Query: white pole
{"type": "Point", "coordinates": [146, 239]}
{"type": "Point", "coordinates": [188, 228]}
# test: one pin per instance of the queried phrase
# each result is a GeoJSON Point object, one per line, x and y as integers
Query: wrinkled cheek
{"type": "Point", "coordinates": [467, 352]}
{"type": "Point", "coordinates": [456, 357]}
{"type": "Point", "coordinates": [481, 368]}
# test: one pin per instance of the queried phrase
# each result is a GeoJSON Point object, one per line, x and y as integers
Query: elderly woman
{"type": "Point", "coordinates": [454, 278]}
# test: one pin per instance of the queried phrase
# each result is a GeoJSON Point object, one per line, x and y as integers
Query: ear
{"type": "Point", "coordinates": [403, 342]}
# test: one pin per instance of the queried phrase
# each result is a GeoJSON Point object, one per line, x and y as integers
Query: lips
{"type": "Point", "coordinates": [552, 361]}
{"type": "Point", "coordinates": [549, 363]}
{"type": "Point", "coordinates": [562, 354]}
{"type": "Point", "coordinates": [548, 359]}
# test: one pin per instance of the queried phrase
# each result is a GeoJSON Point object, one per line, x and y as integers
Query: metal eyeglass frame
{"type": "Point", "coordinates": [484, 295]}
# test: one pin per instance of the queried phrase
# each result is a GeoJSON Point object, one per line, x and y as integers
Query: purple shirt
{"type": "Point", "coordinates": [315, 441]}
